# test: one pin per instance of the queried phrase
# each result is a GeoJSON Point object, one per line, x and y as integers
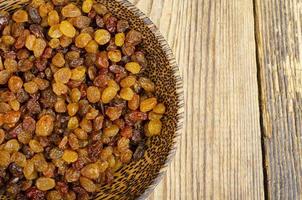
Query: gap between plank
{"type": "Point", "coordinates": [260, 95]}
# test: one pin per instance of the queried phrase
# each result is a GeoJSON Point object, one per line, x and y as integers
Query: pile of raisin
{"type": "Point", "coordinates": [74, 105]}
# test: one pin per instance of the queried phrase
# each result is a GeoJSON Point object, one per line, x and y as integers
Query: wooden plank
{"type": "Point", "coordinates": [219, 155]}
{"type": "Point", "coordinates": [279, 41]}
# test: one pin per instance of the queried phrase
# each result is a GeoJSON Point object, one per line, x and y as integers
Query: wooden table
{"type": "Point", "coordinates": [240, 63]}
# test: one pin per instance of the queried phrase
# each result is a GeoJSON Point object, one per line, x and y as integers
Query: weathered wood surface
{"type": "Point", "coordinates": [219, 154]}
{"type": "Point", "coordinates": [279, 44]}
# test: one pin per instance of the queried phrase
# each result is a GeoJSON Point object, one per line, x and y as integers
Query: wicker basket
{"type": "Point", "coordinates": [138, 179]}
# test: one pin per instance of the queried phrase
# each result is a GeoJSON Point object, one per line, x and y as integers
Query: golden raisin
{"type": "Point", "coordinates": [45, 125]}
{"type": "Point", "coordinates": [4, 76]}
{"type": "Point", "coordinates": [72, 108]}
{"type": "Point", "coordinates": [44, 9]}
{"type": "Point", "coordinates": [30, 41]}
{"type": "Point", "coordinates": [133, 104]}
{"type": "Point", "coordinates": [82, 40]}
{"type": "Point", "coordinates": [154, 116]}
{"type": "Point", "coordinates": [86, 125]}
{"type": "Point", "coordinates": [63, 75]}
{"type": "Point", "coordinates": [40, 163]}
{"type": "Point", "coordinates": [54, 43]}
{"type": "Point", "coordinates": [24, 137]}
{"type": "Point", "coordinates": [67, 29]}
{"type": "Point", "coordinates": [65, 41]}
{"type": "Point", "coordinates": [146, 84]}
{"type": "Point", "coordinates": [133, 67]}
{"type": "Point", "coordinates": [87, 184]}
{"type": "Point", "coordinates": [120, 39]}
{"type": "Point", "coordinates": [93, 94]}
{"type": "Point", "coordinates": [54, 31]}
{"type": "Point", "coordinates": [92, 113]}
{"type": "Point", "coordinates": [102, 36]}
{"type": "Point", "coordinates": [60, 106]}
{"type": "Point", "coordinates": [87, 5]}
{"type": "Point", "coordinates": [44, 183]}
{"type": "Point", "coordinates": [115, 55]}
{"type": "Point", "coordinates": [20, 16]}
{"type": "Point", "coordinates": [53, 18]}
{"type": "Point", "coordinates": [111, 131]}
{"type": "Point", "coordinates": [42, 83]}
{"type": "Point", "coordinates": [58, 60]}
{"type": "Point", "coordinates": [106, 152]}
{"type": "Point", "coordinates": [100, 9]}
{"type": "Point", "coordinates": [78, 73]}
{"type": "Point", "coordinates": [19, 159]}
{"type": "Point", "coordinates": [98, 122]}
{"type": "Point", "coordinates": [35, 146]}
{"type": "Point", "coordinates": [113, 84]}
{"type": "Point", "coordinates": [8, 40]}
{"type": "Point", "coordinates": [111, 161]}
{"type": "Point", "coordinates": [126, 156]}
{"type": "Point", "coordinates": [10, 65]}
{"type": "Point", "coordinates": [75, 95]}
{"type": "Point", "coordinates": [73, 141]}
{"type": "Point", "coordinates": [73, 123]}
{"type": "Point", "coordinates": [29, 170]}
{"type": "Point", "coordinates": [91, 171]}
{"type": "Point", "coordinates": [114, 112]}
{"type": "Point", "coordinates": [54, 195]}
{"type": "Point", "coordinates": [4, 158]}
{"type": "Point", "coordinates": [36, 3]}
{"type": "Point", "coordinates": [2, 136]}
{"type": "Point", "coordinates": [108, 94]}
{"type": "Point", "coordinates": [39, 47]}
{"type": "Point", "coordinates": [159, 108]}
{"type": "Point", "coordinates": [15, 83]}
{"type": "Point", "coordinates": [148, 104]}
{"type": "Point", "coordinates": [70, 156]}
{"type": "Point", "coordinates": [72, 175]}
{"type": "Point", "coordinates": [126, 93]}
{"type": "Point", "coordinates": [80, 133]}
{"type": "Point", "coordinates": [153, 128]}
{"type": "Point", "coordinates": [92, 46]}
{"type": "Point", "coordinates": [59, 88]}
{"type": "Point", "coordinates": [31, 87]}
{"type": "Point", "coordinates": [14, 104]}
{"type": "Point", "coordinates": [129, 81]}
{"type": "Point", "coordinates": [71, 10]}
{"type": "Point", "coordinates": [12, 145]}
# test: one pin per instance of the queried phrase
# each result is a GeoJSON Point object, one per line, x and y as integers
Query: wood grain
{"type": "Point", "coordinates": [219, 155]}
{"type": "Point", "coordinates": [279, 42]}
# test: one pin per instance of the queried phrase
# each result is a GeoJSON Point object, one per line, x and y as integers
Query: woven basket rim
{"type": "Point", "coordinates": [179, 92]}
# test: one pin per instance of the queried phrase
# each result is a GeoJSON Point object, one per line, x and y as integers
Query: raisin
{"type": "Point", "coordinates": [40, 64]}
{"type": "Point", "coordinates": [62, 187]}
{"type": "Point", "coordinates": [134, 37]}
{"type": "Point", "coordinates": [139, 152]}
{"type": "Point", "coordinates": [35, 194]}
{"type": "Point", "coordinates": [111, 24]}
{"type": "Point", "coordinates": [15, 170]}
{"type": "Point", "coordinates": [76, 62]}
{"type": "Point", "coordinates": [3, 21]}
{"type": "Point", "coordinates": [34, 15]}
{"type": "Point", "coordinates": [81, 21]}
{"type": "Point", "coordinates": [33, 106]}
{"type": "Point", "coordinates": [37, 30]}
{"type": "Point", "coordinates": [99, 21]}
{"type": "Point", "coordinates": [29, 124]}
{"type": "Point", "coordinates": [94, 150]}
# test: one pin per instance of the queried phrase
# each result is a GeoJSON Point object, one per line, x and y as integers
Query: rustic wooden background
{"type": "Point", "coordinates": [240, 63]}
